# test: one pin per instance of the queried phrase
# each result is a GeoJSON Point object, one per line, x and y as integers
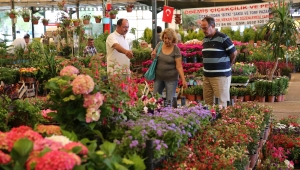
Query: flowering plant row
{"type": "Point", "coordinates": [169, 129]}
{"type": "Point", "coordinates": [23, 148]}
{"type": "Point", "coordinates": [190, 50]}
{"type": "Point", "coordinates": [225, 144]}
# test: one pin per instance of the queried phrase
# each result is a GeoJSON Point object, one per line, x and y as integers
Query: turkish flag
{"type": "Point", "coordinates": [167, 14]}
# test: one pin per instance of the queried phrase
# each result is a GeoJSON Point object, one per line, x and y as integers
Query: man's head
{"type": "Point", "coordinates": [158, 29]}
{"type": "Point", "coordinates": [26, 38]}
{"type": "Point", "coordinates": [122, 26]}
{"type": "Point", "coordinates": [90, 42]}
{"type": "Point", "coordinates": [208, 26]}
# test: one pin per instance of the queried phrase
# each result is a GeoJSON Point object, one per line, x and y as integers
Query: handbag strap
{"type": "Point", "coordinates": [159, 49]}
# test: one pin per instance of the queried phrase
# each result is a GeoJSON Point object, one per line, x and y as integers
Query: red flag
{"type": "Point", "coordinates": [167, 14]}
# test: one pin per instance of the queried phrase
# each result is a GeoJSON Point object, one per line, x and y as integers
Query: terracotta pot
{"type": "Point", "coordinates": [234, 97]}
{"type": "Point", "coordinates": [199, 97]}
{"type": "Point", "coordinates": [12, 16]}
{"type": "Point", "coordinates": [86, 22]}
{"type": "Point", "coordinates": [240, 98]}
{"type": "Point", "coordinates": [278, 98]}
{"type": "Point", "coordinates": [128, 9]}
{"type": "Point", "coordinates": [26, 19]}
{"type": "Point", "coordinates": [45, 23]}
{"type": "Point", "coordinates": [35, 22]}
{"type": "Point", "coordinates": [271, 99]}
{"type": "Point", "coordinates": [261, 99]}
{"type": "Point", "coordinates": [97, 20]}
{"type": "Point", "coordinates": [76, 23]}
{"type": "Point", "coordinates": [112, 16]}
{"type": "Point", "coordinates": [247, 98]}
{"type": "Point", "coordinates": [191, 97]}
{"type": "Point", "coordinates": [252, 98]}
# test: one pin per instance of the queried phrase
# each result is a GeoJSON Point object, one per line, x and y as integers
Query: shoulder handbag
{"type": "Point", "coordinates": [150, 74]}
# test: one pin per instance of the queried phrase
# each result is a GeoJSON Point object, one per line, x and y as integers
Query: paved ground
{"type": "Point", "coordinates": [291, 105]}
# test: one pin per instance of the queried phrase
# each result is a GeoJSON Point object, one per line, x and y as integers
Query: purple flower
{"type": "Point", "coordinates": [158, 147]}
{"type": "Point", "coordinates": [159, 133]}
{"type": "Point", "coordinates": [117, 142]}
{"type": "Point", "coordinates": [134, 143]}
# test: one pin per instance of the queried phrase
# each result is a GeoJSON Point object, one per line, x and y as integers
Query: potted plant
{"type": "Point", "coordinates": [198, 89]}
{"type": "Point", "coordinates": [261, 88]}
{"type": "Point", "coordinates": [97, 18]}
{"type": "Point", "coordinates": [76, 22]}
{"type": "Point", "coordinates": [283, 30]}
{"type": "Point", "coordinates": [129, 7]}
{"type": "Point", "coordinates": [233, 93]}
{"type": "Point", "coordinates": [35, 19]}
{"type": "Point", "coordinates": [45, 21]}
{"type": "Point", "coordinates": [86, 19]}
{"type": "Point", "coordinates": [271, 90]}
{"type": "Point", "coordinates": [12, 13]}
{"type": "Point", "coordinates": [25, 13]}
{"type": "Point", "coordinates": [113, 14]}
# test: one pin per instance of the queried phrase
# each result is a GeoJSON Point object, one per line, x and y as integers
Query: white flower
{"type": "Point", "coordinates": [291, 127]}
{"type": "Point", "coordinates": [146, 109]}
{"type": "Point", "coordinates": [280, 126]}
{"type": "Point", "coordinates": [59, 138]}
{"type": "Point", "coordinates": [288, 164]}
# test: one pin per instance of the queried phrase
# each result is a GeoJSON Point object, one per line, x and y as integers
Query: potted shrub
{"type": "Point", "coordinates": [86, 19]}
{"type": "Point", "coordinates": [198, 90]}
{"type": "Point", "coordinates": [129, 7]}
{"type": "Point", "coordinates": [113, 14]}
{"type": "Point", "coordinates": [233, 93]}
{"type": "Point", "coordinates": [35, 19]}
{"type": "Point", "coordinates": [271, 90]}
{"type": "Point", "coordinates": [12, 13]}
{"type": "Point", "coordinates": [25, 13]}
{"type": "Point", "coordinates": [261, 88]}
{"type": "Point", "coordinates": [97, 18]}
{"type": "Point", "coordinates": [76, 22]}
{"type": "Point", "coordinates": [45, 21]}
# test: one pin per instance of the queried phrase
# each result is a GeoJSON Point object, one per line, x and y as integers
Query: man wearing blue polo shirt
{"type": "Point", "coordinates": [219, 54]}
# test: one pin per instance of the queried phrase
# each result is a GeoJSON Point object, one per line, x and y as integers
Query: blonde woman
{"type": "Point", "coordinates": [169, 65]}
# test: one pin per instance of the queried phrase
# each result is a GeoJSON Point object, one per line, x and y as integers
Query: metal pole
{"type": "Point", "coordinates": [13, 24]}
{"type": "Point", "coordinates": [77, 9]}
{"type": "Point", "coordinates": [154, 23]}
{"type": "Point", "coordinates": [45, 17]}
{"type": "Point", "coordinates": [166, 24]}
{"type": "Point", "coordinates": [32, 26]}
{"type": "Point", "coordinates": [149, 155]}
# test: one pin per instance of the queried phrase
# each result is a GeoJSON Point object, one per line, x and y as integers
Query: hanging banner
{"type": "Point", "coordinates": [226, 16]}
{"type": "Point", "coordinates": [167, 14]}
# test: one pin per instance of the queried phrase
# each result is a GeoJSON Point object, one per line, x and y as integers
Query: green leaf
{"type": "Point", "coordinates": [76, 149]}
{"type": "Point", "coordinates": [71, 135]}
{"type": "Point", "coordinates": [81, 167]}
{"type": "Point", "coordinates": [92, 125]}
{"type": "Point", "coordinates": [92, 147]}
{"type": "Point", "coordinates": [44, 151]}
{"type": "Point", "coordinates": [119, 166]}
{"type": "Point", "coordinates": [138, 162]}
{"type": "Point", "coordinates": [21, 150]}
{"type": "Point", "coordinates": [98, 133]}
{"type": "Point", "coordinates": [108, 148]}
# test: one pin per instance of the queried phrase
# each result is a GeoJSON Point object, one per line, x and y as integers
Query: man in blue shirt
{"type": "Point", "coordinates": [219, 54]}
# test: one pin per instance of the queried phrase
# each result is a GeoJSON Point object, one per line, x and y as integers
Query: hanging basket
{"type": "Point", "coordinates": [76, 23]}
{"type": "Point", "coordinates": [128, 9]}
{"type": "Point", "coordinates": [26, 19]}
{"type": "Point", "coordinates": [105, 20]}
{"type": "Point", "coordinates": [45, 23]}
{"type": "Point", "coordinates": [35, 22]}
{"type": "Point", "coordinates": [86, 22]}
{"type": "Point", "coordinates": [113, 16]}
{"type": "Point", "coordinates": [12, 16]}
{"type": "Point", "coordinates": [97, 20]}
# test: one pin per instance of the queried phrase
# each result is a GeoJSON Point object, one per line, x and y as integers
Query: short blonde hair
{"type": "Point", "coordinates": [170, 33]}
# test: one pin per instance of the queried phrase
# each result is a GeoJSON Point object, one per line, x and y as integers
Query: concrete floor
{"type": "Point", "coordinates": [291, 105]}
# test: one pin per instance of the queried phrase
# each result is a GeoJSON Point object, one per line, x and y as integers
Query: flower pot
{"type": "Point", "coordinates": [112, 16]}
{"type": "Point", "coordinates": [199, 97]}
{"type": "Point", "coordinates": [86, 22]}
{"type": "Point", "coordinates": [271, 99]}
{"type": "Point", "coordinates": [12, 16]}
{"type": "Point", "coordinates": [97, 20]}
{"type": "Point", "coordinates": [128, 9]}
{"type": "Point", "coordinates": [252, 98]}
{"type": "Point", "coordinates": [234, 98]}
{"type": "Point", "coordinates": [26, 19]}
{"type": "Point", "coordinates": [191, 97]}
{"type": "Point", "coordinates": [35, 22]}
{"type": "Point", "coordinates": [76, 23]}
{"type": "Point", "coordinates": [45, 23]}
{"type": "Point", "coordinates": [240, 98]}
{"type": "Point", "coordinates": [247, 98]}
{"type": "Point", "coordinates": [261, 99]}
{"type": "Point", "coordinates": [278, 98]}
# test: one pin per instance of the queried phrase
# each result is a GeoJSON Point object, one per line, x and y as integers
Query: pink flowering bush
{"type": "Point", "coordinates": [76, 99]}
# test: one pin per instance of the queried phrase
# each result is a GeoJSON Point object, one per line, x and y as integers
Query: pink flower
{"type": "Point", "coordinates": [3, 141]}
{"type": "Point", "coordinates": [93, 100]}
{"type": "Point", "coordinates": [70, 146]}
{"type": "Point", "coordinates": [92, 114]}
{"type": "Point", "coordinates": [41, 144]}
{"type": "Point", "coordinates": [4, 158]}
{"type": "Point", "coordinates": [83, 84]}
{"type": "Point", "coordinates": [45, 113]}
{"type": "Point", "coordinates": [58, 160]}
{"type": "Point", "coordinates": [69, 71]}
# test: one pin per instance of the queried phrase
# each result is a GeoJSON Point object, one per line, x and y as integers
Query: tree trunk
{"type": "Point", "coordinates": [270, 76]}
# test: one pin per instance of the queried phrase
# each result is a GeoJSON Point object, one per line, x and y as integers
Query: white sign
{"type": "Point", "coordinates": [226, 16]}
